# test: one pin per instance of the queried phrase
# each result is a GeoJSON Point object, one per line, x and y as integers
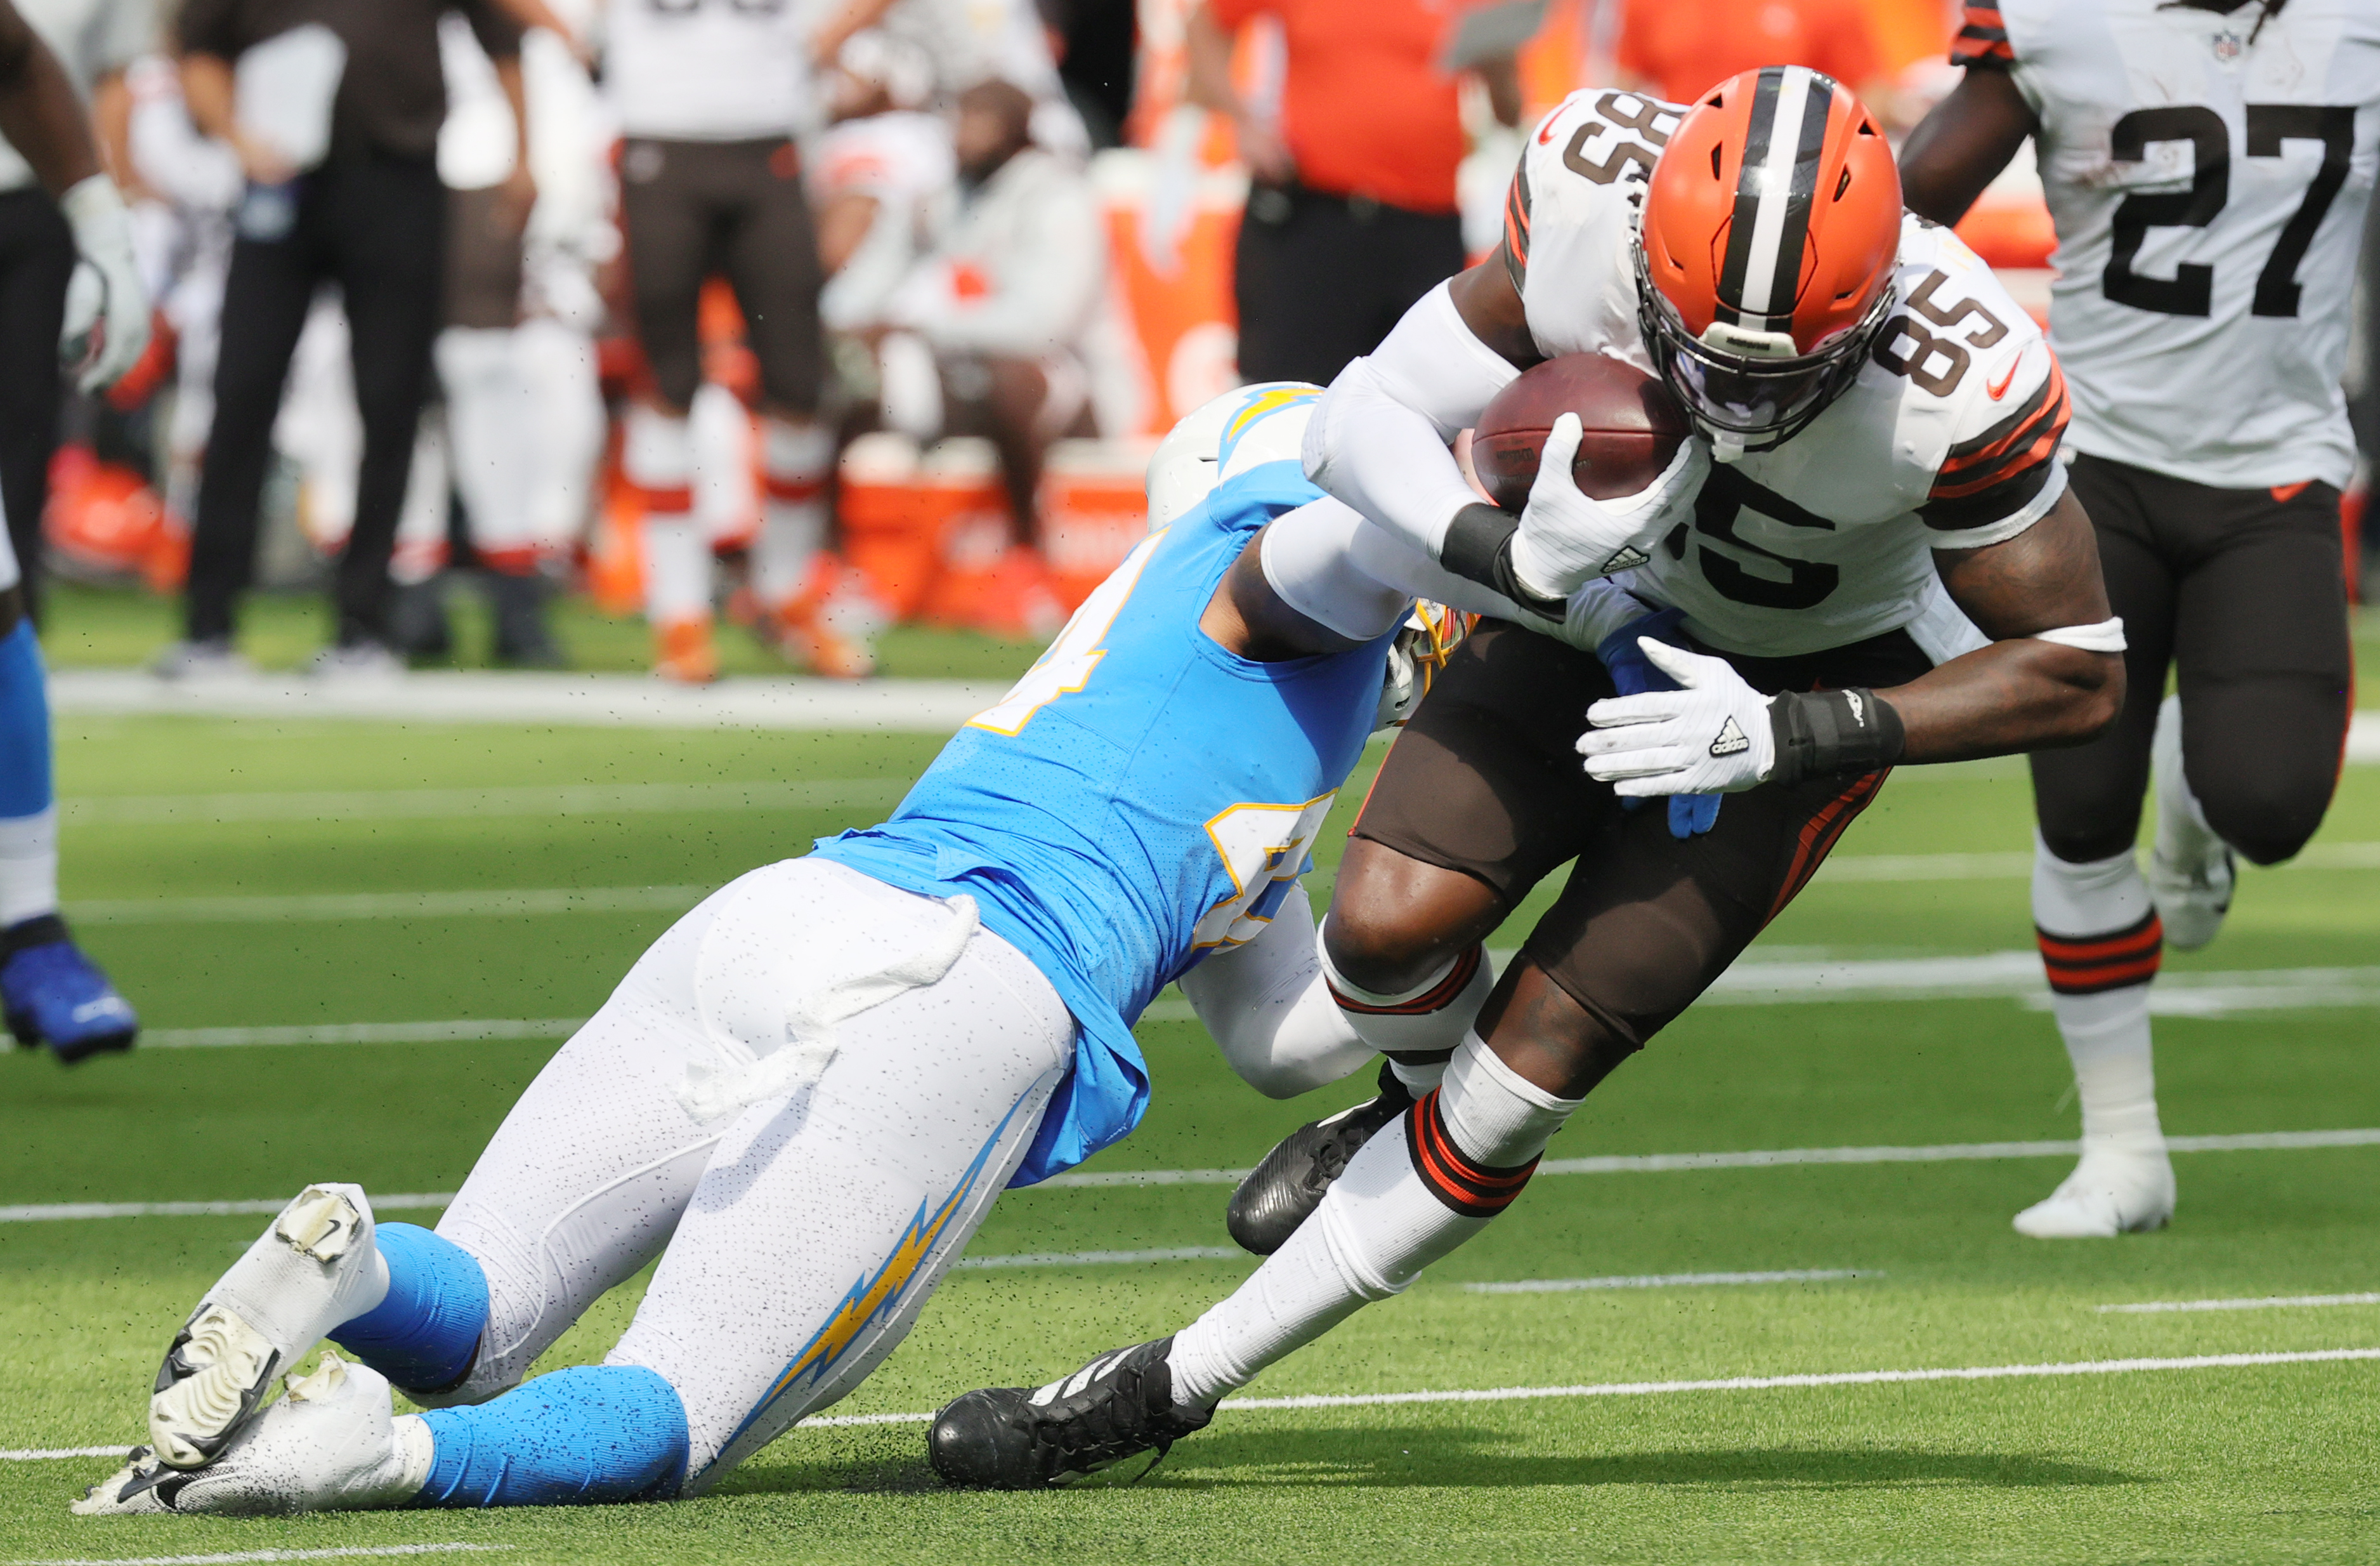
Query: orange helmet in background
{"type": "Point", "coordinates": [1763, 262]}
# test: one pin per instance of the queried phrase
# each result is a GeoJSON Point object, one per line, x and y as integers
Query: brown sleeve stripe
{"type": "Point", "coordinates": [2026, 437]}
{"type": "Point", "coordinates": [1472, 1190]}
{"type": "Point", "coordinates": [1437, 997]}
{"type": "Point", "coordinates": [2129, 956]}
{"type": "Point", "coordinates": [1516, 226]}
{"type": "Point", "coordinates": [1821, 833]}
{"type": "Point", "coordinates": [1983, 40]}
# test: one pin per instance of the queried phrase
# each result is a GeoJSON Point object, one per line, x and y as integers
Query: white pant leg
{"type": "Point", "coordinates": [827, 1217]}
{"type": "Point", "coordinates": [493, 431]}
{"type": "Point", "coordinates": [585, 1180]}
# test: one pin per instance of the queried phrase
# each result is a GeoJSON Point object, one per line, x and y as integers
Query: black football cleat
{"type": "Point", "coordinates": [1282, 1192]}
{"type": "Point", "coordinates": [1024, 1438]}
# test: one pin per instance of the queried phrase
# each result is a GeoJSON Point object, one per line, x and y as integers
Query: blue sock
{"type": "Point", "coordinates": [585, 1435]}
{"type": "Point", "coordinates": [423, 1335]}
{"type": "Point", "coordinates": [24, 726]}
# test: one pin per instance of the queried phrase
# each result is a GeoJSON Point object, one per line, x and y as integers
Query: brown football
{"type": "Point", "coordinates": [1632, 427]}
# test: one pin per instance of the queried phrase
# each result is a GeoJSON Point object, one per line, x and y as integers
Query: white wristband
{"type": "Point", "coordinates": [2107, 636]}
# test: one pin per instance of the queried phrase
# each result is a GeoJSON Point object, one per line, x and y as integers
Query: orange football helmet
{"type": "Point", "coordinates": [1763, 262]}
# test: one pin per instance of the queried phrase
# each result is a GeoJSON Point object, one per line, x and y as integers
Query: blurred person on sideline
{"type": "Point", "coordinates": [1677, 50]}
{"type": "Point", "coordinates": [711, 100]}
{"type": "Point", "coordinates": [524, 419]}
{"type": "Point", "coordinates": [966, 43]}
{"type": "Point", "coordinates": [346, 192]}
{"type": "Point", "coordinates": [50, 993]}
{"type": "Point", "coordinates": [93, 41]}
{"type": "Point", "coordinates": [988, 330]}
{"type": "Point", "coordinates": [1351, 214]}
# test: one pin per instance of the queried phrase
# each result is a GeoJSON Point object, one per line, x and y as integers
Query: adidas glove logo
{"type": "Point", "coordinates": [1627, 559]}
{"type": "Point", "coordinates": [1731, 741]}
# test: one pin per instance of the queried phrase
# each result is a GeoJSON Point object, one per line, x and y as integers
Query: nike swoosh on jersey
{"type": "Point", "coordinates": [1998, 389]}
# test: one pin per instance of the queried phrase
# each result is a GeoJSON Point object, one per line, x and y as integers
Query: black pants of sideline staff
{"type": "Point", "coordinates": [37, 258]}
{"type": "Point", "coordinates": [377, 229]}
{"type": "Point", "coordinates": [1321, 279]}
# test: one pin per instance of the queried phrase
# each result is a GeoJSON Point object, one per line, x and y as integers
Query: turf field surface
{"type": "Point", "coordinates": [392, 916]}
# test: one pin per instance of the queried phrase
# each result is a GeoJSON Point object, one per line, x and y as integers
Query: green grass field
{"type": "Point", "coordinates": [2258, 1463]}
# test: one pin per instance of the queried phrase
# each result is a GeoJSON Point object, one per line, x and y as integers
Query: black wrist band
{"type": "Point", "coordinates": [1479, 547]}
{"type": "Point", "coordinates": [1830, 733]}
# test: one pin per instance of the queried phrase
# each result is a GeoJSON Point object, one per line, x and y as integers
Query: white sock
{"type": "Point", "coordinates": [29, 866]}
{"type": "Point", "coordinates": [1433, 1015]}
{"type": "Point", "coordinates": [657, 457]}
{"type": "Point", "coordinates": [1393, 1212]}
{"type": "Point", "coordinates": [2101, 944]}
{"type": "Point", "coordinates": [792, 512]}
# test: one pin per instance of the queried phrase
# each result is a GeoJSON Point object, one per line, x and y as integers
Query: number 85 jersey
{"type": "Point", "coordinates": [2208, 173]}
{"type": "Point", "coordinates": [1948, 439]}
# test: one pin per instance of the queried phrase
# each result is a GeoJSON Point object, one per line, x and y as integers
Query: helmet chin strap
{"type": "Point", "coordinates": [1727, 445]}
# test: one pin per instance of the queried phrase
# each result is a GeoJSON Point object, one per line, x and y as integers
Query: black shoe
{"type": "Point", "coordinates": [1020, 1438]}
{"type": "Point", "coordinates": [1282, 1192]}
{"type": "Point", "coordinates": [418, 626]}
{"type": "Point", "coordinates": [522, 639]}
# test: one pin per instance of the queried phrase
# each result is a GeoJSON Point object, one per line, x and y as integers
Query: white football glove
{"type": "Point", "coordinates": [107, 309]}
{"type": "Point", "coordinates": [1710, 737]}
{"type": "Point", "coordinates": [1567, 538]}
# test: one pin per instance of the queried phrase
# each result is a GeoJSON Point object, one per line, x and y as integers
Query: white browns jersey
{"type": "Point", "coordinates": [905, 164]}
{"type": "Point", "coordinates": [1947, 440]}
{"type": "Point", "coordinates": [2208, 173]}
{"type": "Point", "coordinates": [710, 70]}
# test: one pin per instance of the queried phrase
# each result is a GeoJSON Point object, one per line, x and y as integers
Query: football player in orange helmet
{"type": "Point", "coordinates": [1886, 423]}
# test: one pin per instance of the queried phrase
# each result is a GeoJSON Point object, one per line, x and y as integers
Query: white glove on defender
{"type": "Point", "coordinates": [107, 309]}
{"type": "Point", "coordinates": [1567, 538]}
{"type": "Point", "coordinates": [1712, 737]}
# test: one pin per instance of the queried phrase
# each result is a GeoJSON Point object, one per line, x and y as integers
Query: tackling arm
{"type": "Point", "coordinates": [1962, 145]}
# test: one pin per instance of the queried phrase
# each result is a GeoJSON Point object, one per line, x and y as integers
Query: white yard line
{"type": "Point", "coordinates": [1625, 1389]}
{"type": "Point", "coordinates": [465, 1031]}
{"type": "Point", "coordinates": [1732, 1383]}
{"type": "Point", "coordinates": [2271, 1303]}
{"type": "Point", "coordinates": [439, 804]}
{"type": "Point", "coordinates": [911, 706]}
{"type": "Point", "coordinates": [1659, 1162]}
{"type": "Point", "coordinates": [314, 907]}
{"type": "Point", "coordinates": [2019, 866]}
{"type": "Point", "coordinates": [347, 1552]}
{"type": "Point", "coordinates": [260, 1555]}
{"type": "Point", "coordinates": [1641, 1163]}
{"type": "Point", "coordinates": [1670, 1280]}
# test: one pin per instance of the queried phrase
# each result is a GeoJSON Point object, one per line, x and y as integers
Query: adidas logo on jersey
{"type": "Point", "coordinates": [1731, 741]}
{"type": "Point", "coordinates": [1627, 559]}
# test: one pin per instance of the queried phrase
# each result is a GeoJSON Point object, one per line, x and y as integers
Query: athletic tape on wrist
{"type": "Point", "coordinates": [1827, 733]}
{"type": "Point", "coordinates": [1479, 546]}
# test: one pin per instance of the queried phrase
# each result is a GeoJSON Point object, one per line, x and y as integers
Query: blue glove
{"type": "Point", "coordinates": [1690, 814]}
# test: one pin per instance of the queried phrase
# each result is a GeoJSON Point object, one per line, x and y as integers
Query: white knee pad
{"type": "Point", "coordinates": [1434, 1015]}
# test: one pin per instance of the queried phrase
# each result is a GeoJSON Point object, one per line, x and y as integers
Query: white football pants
{"type": "Point", "coordinates": [798, 1237]}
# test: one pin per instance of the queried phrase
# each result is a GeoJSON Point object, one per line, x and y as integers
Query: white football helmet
{"type": "Point", "coordinates": [1240, 430]}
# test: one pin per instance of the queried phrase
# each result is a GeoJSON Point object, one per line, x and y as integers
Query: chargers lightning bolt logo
{"type": "Point", "coordinates": [875, 1296]}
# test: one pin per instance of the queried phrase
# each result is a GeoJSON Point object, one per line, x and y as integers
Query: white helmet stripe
{"type": "Point", "coordinates": [1761, 273]}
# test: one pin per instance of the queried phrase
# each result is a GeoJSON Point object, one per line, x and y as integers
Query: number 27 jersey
{"type": "Point", "coordinates": [2208, 173]}
{"type": "Point", "coordinates": [1948, 439]}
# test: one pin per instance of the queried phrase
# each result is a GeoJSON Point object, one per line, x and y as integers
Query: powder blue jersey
{"type": "Point", "coordinates": [1140, 799]}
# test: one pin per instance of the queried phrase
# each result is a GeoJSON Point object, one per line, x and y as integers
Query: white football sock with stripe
{"type": "Point", "coordinates": [1392, 1214]}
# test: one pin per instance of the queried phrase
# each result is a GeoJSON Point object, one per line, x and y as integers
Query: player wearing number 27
{"type": "Point", "coordinates": [2208, 163]}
